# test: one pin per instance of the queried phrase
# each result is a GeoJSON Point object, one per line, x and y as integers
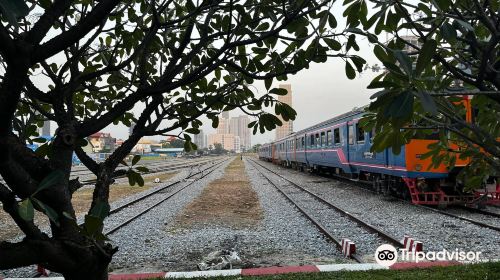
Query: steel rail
{"type": "Point", "coordinates": [117, 209]}
{"type": "Point", "coordinates": [362, 223]}
{"type": "Point", "coordinates": [168, 168]}
{"type": "Point", "coordinates": [320, 227]}
{"type": "Point", "coordinates": [480, 211]}
{"type": "Point", "coordinates": [141, 213]}
{"type": "Point", "coordinates": [151, 165]}
{"type": "Point", "coordinates": [363, 184]}
{"type": "Point", "coordinates": [461, 218]}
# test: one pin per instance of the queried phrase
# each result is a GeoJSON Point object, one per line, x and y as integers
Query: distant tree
{"type": "Point", "coordinates": [256, 148]}
{"type": "Point", "coordinates": [86, 64]}
{"type": "Point", "coordinates": [219, 149]}
{"type": "Point", "coordinates": [177, 143]}
{"type": "Point", "coordinates": [453, 50]}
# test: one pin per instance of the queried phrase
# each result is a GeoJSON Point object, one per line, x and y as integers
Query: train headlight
{"type": "Point", "coordinates": [418, 167]}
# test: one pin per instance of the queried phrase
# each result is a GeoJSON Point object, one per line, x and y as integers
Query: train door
{"type": "Point", "coordinates": [273, 152]}
{"type": "Point", "coordinates": [351, 149]}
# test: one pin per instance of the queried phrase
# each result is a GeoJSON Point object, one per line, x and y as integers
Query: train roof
{"type": "Point", "coordinates": [351, 113]}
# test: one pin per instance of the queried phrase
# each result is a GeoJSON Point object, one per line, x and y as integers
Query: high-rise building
{"type": "Point", "coordinates": [228, 141]}
{"type": "Point", "coordinates": [287, 127]}
{"type": "Point", "coordinates": [238, 126]}
{"type": "Point", "coordinates": [131, 128]}
{"type": "Point", "coordinates": [45, 129]}
{"type": "Point", "coordinates": [200, 140]}
{"type": "Point", "coordinates": [223, 127]}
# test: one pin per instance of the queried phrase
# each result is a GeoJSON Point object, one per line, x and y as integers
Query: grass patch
{"type": "Point", "coordinates": [484, 271]}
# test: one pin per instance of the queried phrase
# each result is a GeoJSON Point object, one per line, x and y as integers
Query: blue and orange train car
{"type": "Point", "coordinates": [340, 146]}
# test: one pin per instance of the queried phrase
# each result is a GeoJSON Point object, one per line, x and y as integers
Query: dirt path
{"type": "Point", "coordinates": [228, 201]}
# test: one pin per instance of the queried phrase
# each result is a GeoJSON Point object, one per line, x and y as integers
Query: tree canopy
{"type": "Point", "coordinates": [435, 53]}
{"type": "Point", "coordinates": [88, 64]}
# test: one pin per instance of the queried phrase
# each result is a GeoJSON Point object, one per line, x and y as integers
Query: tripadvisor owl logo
{"type": "Point", "coordinates": [386, 255]}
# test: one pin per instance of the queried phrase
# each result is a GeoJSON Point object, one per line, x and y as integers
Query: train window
{"type": "Point", "coordinates": [360, 132]}
{"type": "Point", "coordinates": [303, 142]}
{"type": "Point", "coordinates": [329, 138]}
{"type": "Point", "coordinates": [336, 136]}
{"type": "Point", "coordinates": [311, 141]}
{"type": "Point", "coordinates": [351, 135]}
{"type": "Point", "coordinates": [323, 139]}
{"type": "Point", "coordinates": [372, 134]}
{"type": "Point", "coordinates": [317, 141]}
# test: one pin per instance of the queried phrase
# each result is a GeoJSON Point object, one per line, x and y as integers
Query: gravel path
{"type": "Point", "coordinates": [284, 237]}
{"type": "Point", "coordinates": [436, 231]}
{"type": "Point", "coordinates": [336, 223]}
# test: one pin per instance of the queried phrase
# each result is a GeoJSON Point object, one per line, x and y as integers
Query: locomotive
{"type": "Point", "coordinates": [340, 146]}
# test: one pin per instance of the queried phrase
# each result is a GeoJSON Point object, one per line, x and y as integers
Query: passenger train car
{"type": "Point", "coordinates": [340, 146]}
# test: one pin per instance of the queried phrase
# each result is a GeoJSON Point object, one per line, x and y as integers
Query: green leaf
{"type": "Point", "coordinates": [142, 169]}
{"type": "Point", "coordinates": [92, 225]}
{"type": "Point", "coordinates": [464, 24]}
{"type": "Point", "coordinates": [53, 178]}
{"type": "Point", "coordinates": [139, 179]}
{"type": "Point", "coordinates": [101, 210]}
{"type": "Point", "coordinates": [404, 61]}
{"type": "Point", "coordinates": [192, 130]}
{"type": "Point", "coordinates": [349, 70]}
{"type": "Point", "coordinates": [424, 57]}
{"type": "Point", "coordinates": [39, 140]}
{"type": "Point", "coordinates": [333, 44]}
{"type": "Point", "coordinates": [45, 3]}
{"type": "Point", "coordinates": [268, 83]}
{"type": "Point", "coordinates": [332, 22]}
{"type": "Point", "coordinates": [401, 107]}
{"type": "Point", "coordinates": [215, 122]}
{"type": "Point", "coordinates": [136, 159]}
{"type": "Point", "coordinates": [43, 150]}
{"type": "Point", "coordinates": [382, 84]}
{"type": "Point", "coordinates": [449, 33]}
{"type": "Point", "coordinates": [13, 9]}
{"type": "Point", "coordinates": [380, 53]}
{"type": "Point", "coordinates": [51, 213]}
{"type": "Point", "coordinates": [279, 91]}
{"type": "Point", "coordinates": [427, 102]}
{"type": "Point", "coordinates": [25, 210]}
{"type": "Point", "coordinates": [131, 178]}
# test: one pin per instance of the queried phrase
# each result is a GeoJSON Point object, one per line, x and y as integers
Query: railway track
{"type": "Point", "coordinates": [473, 219]}
{"type": "Point", "coordinates": [164, 168]}
{"type": "Point", "coordinates": [83, 171]}
{"type": "Point", "coordinates": [129, 218]}
{"type": "Point", "coordinates": [324, 212]}
{"type": "Point", "coordinates": [160, 167]}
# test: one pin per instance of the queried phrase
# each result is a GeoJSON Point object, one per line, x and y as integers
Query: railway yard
{"type": "Point", "coordinates": [269, 216]}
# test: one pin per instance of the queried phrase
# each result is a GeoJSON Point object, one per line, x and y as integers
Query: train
{"type": "Point", "coordinates": [339, 146]}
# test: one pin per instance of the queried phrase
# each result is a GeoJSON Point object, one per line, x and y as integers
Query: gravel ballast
{"type": "Point", "coordinates": [283, 237]}
{"type": "Point", "coordinates": [397, 218]}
